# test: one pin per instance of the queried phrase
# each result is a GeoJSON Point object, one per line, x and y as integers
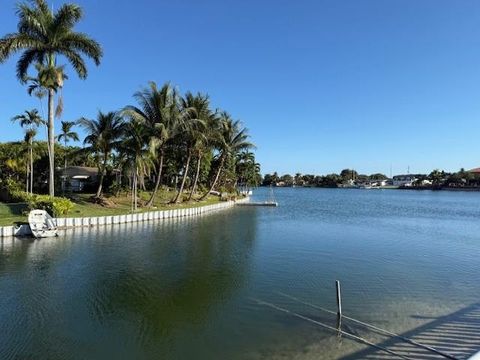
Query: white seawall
{"type": "Point", "coordinates": [111, 220]}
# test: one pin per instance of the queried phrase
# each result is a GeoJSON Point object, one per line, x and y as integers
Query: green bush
{"type": "Point", "coordinates": [20, 196]}
{"type": "Point", "coordinates": [12, 185]}
{"type": "Point", "coordinates": [55, 206]}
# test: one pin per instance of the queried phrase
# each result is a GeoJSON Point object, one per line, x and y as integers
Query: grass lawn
{"type": "Point", "coordinates": [11, 213]}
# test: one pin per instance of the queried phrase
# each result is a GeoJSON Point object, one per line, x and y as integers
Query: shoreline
{"type": "Point", "coordinates": [23, 230]}
{"type": "Point", "coordinates": [417, 188]}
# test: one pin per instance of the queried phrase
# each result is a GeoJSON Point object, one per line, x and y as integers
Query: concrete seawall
{"type": "Point", "coordinates": [109, 220]}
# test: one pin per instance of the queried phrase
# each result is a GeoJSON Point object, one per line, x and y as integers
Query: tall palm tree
{"type": "Point", "coordinates": [30, 120]}
{"type": "Point", "coordinates": [137, 153]}
{"type": "Point", "coordinates": [43, 35]}
{"type": "Point", "coordinates": [66, 135]}
{"type": "Point", "coordinates": [103, 136]}
{"type": "Point", "coordinates": [246, 169]}
{"type": "Point", "coordinates": [196, 115]}
{"type": "Point", "coordinates": [29, 137]}
{"type": "Point", "coordinates": [158, 111]}
{"type": "Point", "coordinates": [192, 126]}
{"type": "Point", "coordinates": [232, 138]}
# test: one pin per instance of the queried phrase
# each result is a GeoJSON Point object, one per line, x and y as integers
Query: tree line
{"type": "Point", "coordinates": [162, 138]}
{"type": "Point", "coordinates": [435, 179]}
{"type": "Point", "coordinates": [330, 180]}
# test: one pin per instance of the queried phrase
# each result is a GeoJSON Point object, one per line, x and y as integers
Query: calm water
{"type": "Point", "coordinates": [187, 289]}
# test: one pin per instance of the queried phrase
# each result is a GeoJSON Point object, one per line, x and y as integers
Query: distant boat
{"type": "Point", "coordinates": [365, 186]}
{"type": "Point", "coordinates": [42, 224]}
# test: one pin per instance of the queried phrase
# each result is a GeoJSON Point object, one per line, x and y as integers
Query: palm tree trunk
{"type": "Point", "coordinates": [220, 167]}
{"type": "Point", "coordinates": [130, 181]}
{"type": "Point", "coordinates": [102, 176]}
{"type": "Point", "coordinates": [27, 177]}
{"type": "Point", "coordinates": [100, 185]}
{"type": "Point", "coordinates": [197, 173]}
{"type": "Point", "coordinates": [135, 180]}
{"type": "Point", "coordinates": [157, 182]}
{"type": "Point", "coordinates": [185, 173]}
{"type": "Point", "coordinates": [65, 165]}
{"type": "Point", "coordinates": [51, 143]}
{"type": "Point", "coordinates": [31, 166]}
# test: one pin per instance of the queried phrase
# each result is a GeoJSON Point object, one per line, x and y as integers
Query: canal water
{"type": "Point", "coordinates": [189, 288]}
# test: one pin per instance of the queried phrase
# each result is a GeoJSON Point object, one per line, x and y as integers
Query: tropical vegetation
{"type": "Point", "coordinates": [168, 141]}
{"type": "Point", "coordinates": [44, 37]}
{"type": "Point", "coordinates": [437, 179]}
{"type": "Point", "coordinates": [163, 148]}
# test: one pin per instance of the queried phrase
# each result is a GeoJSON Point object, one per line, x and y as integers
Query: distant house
{"type": "Point", "coordinates": [383, 182]}
{"type": "Point", "coordinates": [474, 171]}
{"type": "Point", "coordinates": [404, 180]}
{"type": "Point", "coordinates": [76, 177]}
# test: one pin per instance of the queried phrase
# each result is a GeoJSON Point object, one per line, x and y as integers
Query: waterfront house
{"type": "Point", "coordinates": [475, 171]}
{"type": "Point", "coordinates": [383, 182]}
{"type": "Point", "coordinates": [75, 178]}
{"type": "Point", "coordinates": [404, 180]}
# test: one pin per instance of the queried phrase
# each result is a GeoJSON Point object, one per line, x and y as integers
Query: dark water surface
{"type": "Point", "coordinates": [187, 289]}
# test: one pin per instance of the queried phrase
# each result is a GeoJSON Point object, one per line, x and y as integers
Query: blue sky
{"type": "Point", "coordinates": [322, 85]}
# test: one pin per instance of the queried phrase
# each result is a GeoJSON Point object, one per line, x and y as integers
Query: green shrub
{"type": "Point", "coordinates": [9, 186]}
{"type": "Point", "coordinates": [12, 185]}
{"type": "Point", "coordinates": [20, 196]}
{"type": "Point", "coordinates": [55, 206]}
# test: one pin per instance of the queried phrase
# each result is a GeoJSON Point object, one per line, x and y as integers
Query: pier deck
{"type": "Point", "coordinates": [264, 203]}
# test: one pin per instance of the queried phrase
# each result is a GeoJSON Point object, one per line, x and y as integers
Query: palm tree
{"type": "Point", "coordinates": [103, 136]}
{"type": "Point", "coordinates": [29, 136]}
{"type": "Point", "coordinates": [247, 170]}
{"type": "Point", "coordinates": [196, 118]}
{"type": "Point", "coordinates": [66, 135]}
{"type": "Point", "coordinates": [30, 120]}
{"type": "Point", "coordinates": [158, 111]}
{"type": "Point", "coordinates": [232, 138]}
{"type": "Point", "coordinates": [137, 154]}
{"type": "Point", "coordinates": [43, 35]}
{"type": "Point", "coordinates": [48, 77]}
{"type": "Point", "coordinates": [192, 126]}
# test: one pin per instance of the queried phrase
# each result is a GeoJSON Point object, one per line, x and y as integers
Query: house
{"type": "Point", "coordinates": [383, 182]}
{"type": "Point", "coordinates": [74, 178]}
{"type": "Point", "coordinates": [475, 171]}
{"type": "Point", "coordinates": [404, 180]}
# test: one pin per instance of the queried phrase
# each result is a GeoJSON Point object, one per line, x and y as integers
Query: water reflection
{"type": "Point", "coordinates": [181, 288]}
{"type": "Point", "coordinates": [143, 283]}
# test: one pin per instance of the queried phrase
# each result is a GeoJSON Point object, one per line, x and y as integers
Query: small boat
{"type": "Point", "coordinates": [42, 224]}
{"type": "Point", "coordinates": [365, 186]}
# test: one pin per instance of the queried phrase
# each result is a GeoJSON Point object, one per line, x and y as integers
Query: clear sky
{"type": "Point", "coordinates": [322, 85]}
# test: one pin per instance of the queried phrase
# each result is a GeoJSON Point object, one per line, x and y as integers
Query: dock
{"type": "Point", "coordinates": [264, 203]}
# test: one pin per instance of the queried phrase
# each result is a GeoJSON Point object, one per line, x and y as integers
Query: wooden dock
{"type": "Point", "coordinates": [264, 203]}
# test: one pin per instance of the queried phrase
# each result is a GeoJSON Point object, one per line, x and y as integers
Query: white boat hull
{"type": "Point", "coordinates": [42, 224]}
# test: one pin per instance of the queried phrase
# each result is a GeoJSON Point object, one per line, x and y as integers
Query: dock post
{"type": "Point", "coordinates": [339, 307]}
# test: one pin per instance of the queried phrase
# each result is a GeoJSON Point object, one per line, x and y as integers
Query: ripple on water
{"type": "Point", "coordinates": [180, 289]}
